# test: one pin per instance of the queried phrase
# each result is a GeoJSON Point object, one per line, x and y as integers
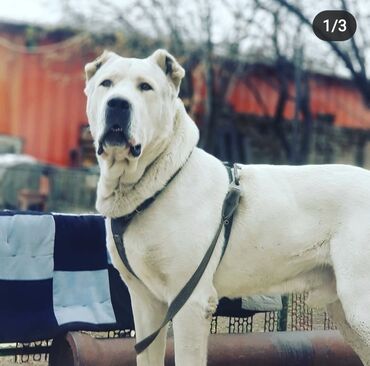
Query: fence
{"type": "Point", "coordinates": [70, 190]}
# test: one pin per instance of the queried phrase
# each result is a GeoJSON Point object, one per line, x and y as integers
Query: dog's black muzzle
{"type": "Point", "coordinates": [117, 126]}
{"type": "Point", "coordinates": [117, 122]}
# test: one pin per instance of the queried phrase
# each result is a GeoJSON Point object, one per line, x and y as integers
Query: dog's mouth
{"type": "Point", "coordinates": [116, 137]}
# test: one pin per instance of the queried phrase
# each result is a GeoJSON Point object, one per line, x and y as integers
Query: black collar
{"type": "Point", "coordinates": [127, 218]}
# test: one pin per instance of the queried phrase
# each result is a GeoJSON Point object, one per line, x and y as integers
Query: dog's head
{"type": "Point", "coordinates": [131, 102]}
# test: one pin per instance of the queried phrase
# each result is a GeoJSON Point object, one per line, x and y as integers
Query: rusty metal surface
{"type": "Point", "coordinates": [317, 348]}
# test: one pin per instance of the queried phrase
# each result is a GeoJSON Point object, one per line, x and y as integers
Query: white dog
{"type": "Point", "coordinates": [301, 228]}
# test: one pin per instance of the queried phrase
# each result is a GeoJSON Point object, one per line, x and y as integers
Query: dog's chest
{"type": "Point", "coordinates": [151, 250]}
{"type": "Point", "coordinates": [146, 248]}
{"type": "Point", "coordinates": [164, 245]}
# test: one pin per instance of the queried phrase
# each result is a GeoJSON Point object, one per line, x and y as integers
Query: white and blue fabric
{"type": "Point", "coordinates": [55, 276]}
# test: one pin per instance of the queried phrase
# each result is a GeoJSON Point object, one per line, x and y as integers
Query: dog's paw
{"type": "Point", "coordinates": [211, 307]}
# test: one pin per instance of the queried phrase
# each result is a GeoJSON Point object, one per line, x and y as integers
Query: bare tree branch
{"type": "Point", "coordinates": [119, 11]}
{"type": "Point", "coordinates": [358, 76]}
{"type": "Point", "coordinates": [359, 57]}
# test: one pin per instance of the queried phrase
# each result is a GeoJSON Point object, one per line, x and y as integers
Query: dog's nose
{"type": "Point", "coordinates": [118, 104]}
{"type": "Point", "coordinates": [118, 115]}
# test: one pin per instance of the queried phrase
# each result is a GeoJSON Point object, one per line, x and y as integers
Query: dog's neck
{"type": "Point", "coordinates": [117, 198]}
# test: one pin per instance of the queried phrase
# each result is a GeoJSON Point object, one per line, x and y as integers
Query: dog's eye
{"type": "Point", "coordinates": [145, 86]}
{"type": "Point", "coordinates": [106, 83]}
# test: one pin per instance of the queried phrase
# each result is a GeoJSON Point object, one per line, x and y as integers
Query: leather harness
{"type": "Point", "coordinates": [120, 224]}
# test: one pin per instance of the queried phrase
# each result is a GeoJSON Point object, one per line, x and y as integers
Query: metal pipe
{"type": "Point", "coordinates": [317, 348]}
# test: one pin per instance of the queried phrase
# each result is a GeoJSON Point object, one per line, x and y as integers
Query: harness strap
{"type": "Point", "coordinates": [120, 224]}
{"type": "Point", "coordinates": [232, 170]}
{"type": "Point", "coordinates": [229, 206]}
{"type": "Point", "coordinates": [179, 301]}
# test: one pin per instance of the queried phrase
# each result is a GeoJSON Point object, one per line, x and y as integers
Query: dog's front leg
{"type": "Point", "coordinates": [148, 315]}
{"type": "Point", "coordinates": [191, 329]}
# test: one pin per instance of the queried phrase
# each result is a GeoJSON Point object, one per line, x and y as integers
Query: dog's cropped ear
{"type": "Point", "coordinates": [92, 67]}
{"type": "Point", "coordinates": [170, 67]}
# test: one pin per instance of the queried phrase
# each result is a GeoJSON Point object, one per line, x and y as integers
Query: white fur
{"type": "Point", "coordinates": [297, 228]}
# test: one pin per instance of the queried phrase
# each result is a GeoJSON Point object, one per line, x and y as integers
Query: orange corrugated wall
{"type": "Point", "coordinates": [42, 101]}
{"type": "Point", "coordinates": [328, 95]}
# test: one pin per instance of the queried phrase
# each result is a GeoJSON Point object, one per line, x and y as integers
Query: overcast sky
{"type": "Point", "coordinates": [39, 11]}
{"type": "Point", "coordinates": [50, 12]}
